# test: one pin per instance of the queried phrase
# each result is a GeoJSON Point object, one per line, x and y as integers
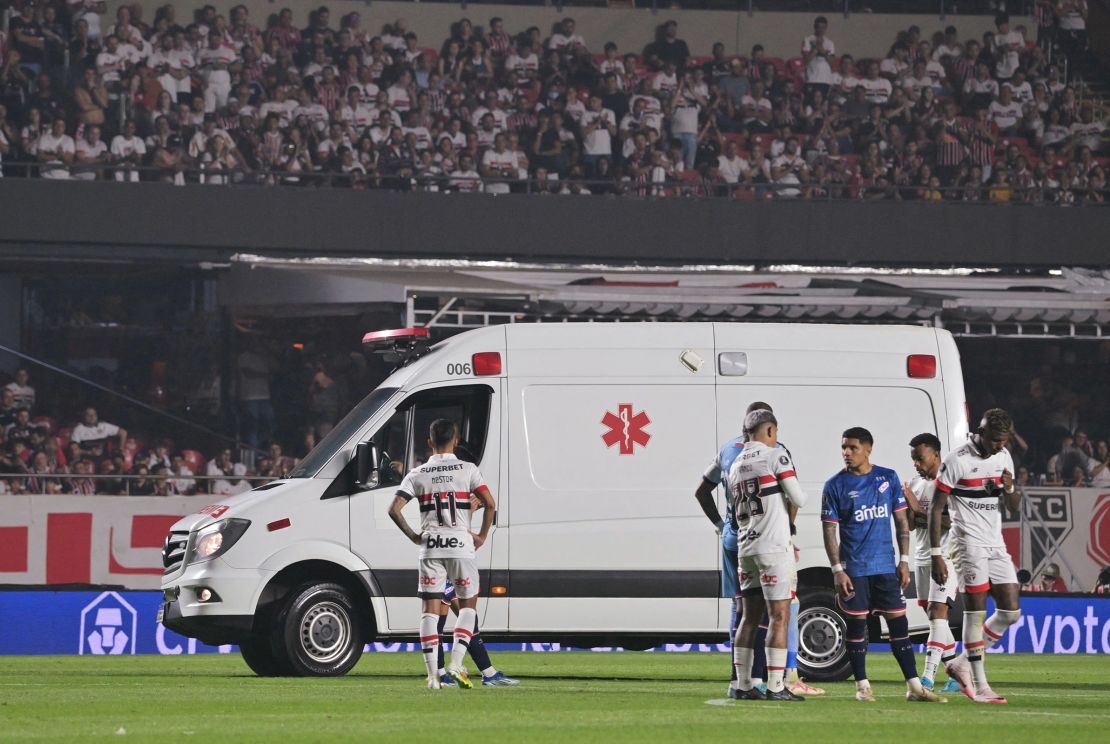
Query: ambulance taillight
{"type": "Point", "coordinates": [923, 366]}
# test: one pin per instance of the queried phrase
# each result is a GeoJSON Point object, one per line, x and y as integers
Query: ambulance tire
{"type": "Point", "coordinates": [260, 657]}
{"type": "Point", "coordinates": [822, 636]}
{"type": "Point", "coordinates": [318, 631]}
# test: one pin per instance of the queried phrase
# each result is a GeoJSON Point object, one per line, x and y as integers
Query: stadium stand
{"type": "Point", "coordinates": [215, 99]}
{"type": "Point", "coordinates": [1056, 392]}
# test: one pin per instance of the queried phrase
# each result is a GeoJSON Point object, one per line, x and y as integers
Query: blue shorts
{"type": "Point", "coordinates": [730, 561]}
{"type": "Point", "coordinates": [879, 593]}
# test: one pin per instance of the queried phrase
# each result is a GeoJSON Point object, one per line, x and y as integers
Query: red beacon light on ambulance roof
{"type": "Point", "coordinates": [394, 335]}
{"type": "Point", "coordinates": [399, 346]}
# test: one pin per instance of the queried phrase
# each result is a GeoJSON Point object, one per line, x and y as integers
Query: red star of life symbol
{"type": "Point", "coordinates": [625, 429]}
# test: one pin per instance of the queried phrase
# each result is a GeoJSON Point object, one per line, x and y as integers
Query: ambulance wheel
{"type": "Point", "coordinates": [260, 657]}
{"type": "Point", "coordinates": [318, 631]}
{"type": "Point", "coordinates": [822, 634]}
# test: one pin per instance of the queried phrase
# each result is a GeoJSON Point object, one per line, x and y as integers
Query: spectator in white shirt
{"type": "Point", "coordinates": [1006, 45]}
{"type": "Point", "coordinates": [731, 166]}
{"type": "Point", "coordinates": [90, 12]}
{"type": "Point", "coordinates": [916, 81]}
{"type": "Point", "coordinates": [683, 109]}
{"type": "Point", "coordinates": [1006, 113]}
{"type": "Point", "coordinates": [90, 153]}
{"type": "Point", "coordinates": [500, 163]}
{"type": "Point", "coordinates": [1087, 132]}
{"type": "Point", "coordinates": [55, 150]}
{"type": "Point", "coordinates": [465, 178]}
{"type": "Point", "coordinates": [111, 63]}
{"type": "Point", "coordinates": [982, 88]}
{"type": "Point", "coordinates": [878, 88]}
{"type": "Point", "coordinates": [756, 109]}
{"type": "Point", "coordinates": [818, 51]}
{"type": "Point", "coordinates": [183, 484]}
{"type": "Point", "coordinates": [92, 434]}
{"type": "Point", "coordinates": [897, 63]}
{"type": "Point", "coordinates": [1020, 87]}
{"type": "Point", "coordinates": [23, 395]}
{"type": "Point", "coordinates": [128, 149]}
{"type": "Point", "coordinates": [215, 61]}
{"type": "Point", "coordinates": [565, 39]}
{"type": "Point", "coordinates": [949, 48]}
{"type": "Point", "coordinates": [227, 474]}
{"type": "Point", "coordinates": [599, 126]}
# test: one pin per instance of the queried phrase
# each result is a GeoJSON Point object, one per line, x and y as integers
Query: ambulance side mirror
{"type": "Point", "coordinates": [367, 460]}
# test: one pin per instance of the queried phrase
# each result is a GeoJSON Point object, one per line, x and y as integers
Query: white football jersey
{"type": "Point", "coordinates": [760, 506]}
{"type": "Point", "coordinates": [974, 487]}
{"type": "Point", "coordinates": [443, 486]}
{"type": "Point", "coordinates": [924, 489]}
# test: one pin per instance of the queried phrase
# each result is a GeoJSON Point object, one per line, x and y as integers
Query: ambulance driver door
{"type": "Point", "coordinates": [403, 441]}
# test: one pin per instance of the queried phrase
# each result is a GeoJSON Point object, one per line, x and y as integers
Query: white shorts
{"type": "Point", "coordinates": [929, 591]}
{"type": "Point", "coordinates": [436, 572]}
{"type": "Point", "coordinates": [769, 574]}
{"type": "Point", "coordinates": [979, 567]}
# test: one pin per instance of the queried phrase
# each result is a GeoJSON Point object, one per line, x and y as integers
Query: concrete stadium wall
{"type": "Point", "coordinates": [862, 34]}
{"type": "Point", "coordinates": [162, 222]}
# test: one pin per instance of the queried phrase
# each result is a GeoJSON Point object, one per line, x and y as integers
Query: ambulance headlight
{"type": "Point", "coordinates": [216, 539]}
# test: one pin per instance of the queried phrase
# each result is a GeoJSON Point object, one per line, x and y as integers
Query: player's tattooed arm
{"type": "Point", "coordinates": [902, 527]}
{"type": "Point", "coordinates": [937, 518]}
{"type": "Point", "coordinates": [399, 519]}
{"type": "Point", "coordinates": [842, 583]}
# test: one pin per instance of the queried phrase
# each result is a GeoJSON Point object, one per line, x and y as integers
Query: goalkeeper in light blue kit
{"type": "Point", "coordinates": [730, 582]}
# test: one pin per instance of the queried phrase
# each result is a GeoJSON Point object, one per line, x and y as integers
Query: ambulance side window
{"type": "Point", "coordinates": [391, 439]}
{"type": "Point", "coordinates": [466, 405]}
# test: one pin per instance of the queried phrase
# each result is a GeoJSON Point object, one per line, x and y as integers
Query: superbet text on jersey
{"type": "Point", "coordinates": [974, 484]}
{"type": "Point", "coordinates": [443, 486]}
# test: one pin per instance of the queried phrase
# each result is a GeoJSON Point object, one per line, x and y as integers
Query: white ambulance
{"type": "Point", "coordinates": [593, 439]}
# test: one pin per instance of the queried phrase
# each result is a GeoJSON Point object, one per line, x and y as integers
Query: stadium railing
{"type": "Point", "coordinates": [689, 186]}
{"type": "Point", "coordinates": [121, 485]}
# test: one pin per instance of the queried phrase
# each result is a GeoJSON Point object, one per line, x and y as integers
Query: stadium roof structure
{"type": "Point", "coordinates": [460, 294]}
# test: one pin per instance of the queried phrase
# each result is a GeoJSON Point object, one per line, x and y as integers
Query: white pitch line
{"type": "Point", "coordinates": [1056, 714]}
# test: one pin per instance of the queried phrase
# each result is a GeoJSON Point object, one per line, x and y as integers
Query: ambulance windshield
{"type": "Point", "coordinates": [343, 431]}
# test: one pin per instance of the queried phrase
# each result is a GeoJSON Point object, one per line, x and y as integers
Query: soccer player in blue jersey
{"type": "Point", "coordinates": [857, 505]}
{"type": "Point", "coordinates": [730, 583]}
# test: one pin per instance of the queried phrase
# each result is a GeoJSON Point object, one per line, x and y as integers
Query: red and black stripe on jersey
{"type": "Point", "coordinates": [972, 488]}
{"type": "Point", "coordinates": [428, 501]}
{"type": "Point", "coordinates": [769, 484]}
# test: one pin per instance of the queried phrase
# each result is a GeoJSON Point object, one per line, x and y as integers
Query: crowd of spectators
{"type": "Point", "coordinates": [1061, 407]}
{"type": "Point", "coordinates": [216, 99]}
{"type": "Point", "coordinates": [91, 456]}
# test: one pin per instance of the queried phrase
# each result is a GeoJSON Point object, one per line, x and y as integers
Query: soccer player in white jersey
{"type": "Point", "coordinates": [446, 488]}
{"type": "Point", "coordinates": [976, 477]}
{"type": "Point", "coordinates": [765, 495]}
{"type": "Point", "coordinates": [934, 598]}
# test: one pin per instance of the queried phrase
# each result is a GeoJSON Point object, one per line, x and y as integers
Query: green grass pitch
{"type": "Point", "coordinates": [568, 697]}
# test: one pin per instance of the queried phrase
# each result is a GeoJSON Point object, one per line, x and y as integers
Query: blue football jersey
{"type": "Point", "coordinates": [863, 506]}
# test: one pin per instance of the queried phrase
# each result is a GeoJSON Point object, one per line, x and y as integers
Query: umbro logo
{"type": "Point", "coordinates": [853, 494]}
